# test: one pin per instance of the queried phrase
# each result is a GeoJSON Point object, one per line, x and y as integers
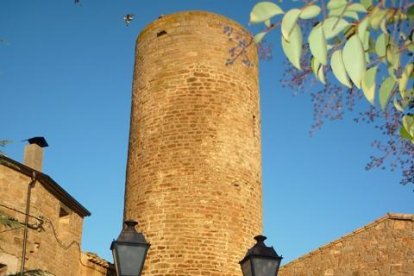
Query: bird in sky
{"type": "Point", "coordinates": [128, 18]}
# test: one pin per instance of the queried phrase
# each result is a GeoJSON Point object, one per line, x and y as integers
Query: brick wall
{"type": "Point", "coordinates": [384, 247]}
{"type": "Point", "coordinates": [194, 161]}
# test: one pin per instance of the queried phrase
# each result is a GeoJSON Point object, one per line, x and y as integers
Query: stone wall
{"type": "Point", "coordinates": [194, 161]}
{"type": "Point", "coordinates": [52, 245]}
{"type": "Point", "coordinates": [384, 247]}
{"type": "Point", "coordinates": [54, 232]}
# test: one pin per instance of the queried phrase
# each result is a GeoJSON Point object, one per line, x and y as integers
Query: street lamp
{"type": "Point", "coordinates": [129, 250]}
{"type": "Point", "coordinates": [260, 260]}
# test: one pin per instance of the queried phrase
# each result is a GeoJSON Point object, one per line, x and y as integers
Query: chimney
{"type": "Point", "coordinates": [33, 153]}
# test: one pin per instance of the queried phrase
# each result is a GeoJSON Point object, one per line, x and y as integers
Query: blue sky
{"type": "Point", "coordinates": [66, 74]}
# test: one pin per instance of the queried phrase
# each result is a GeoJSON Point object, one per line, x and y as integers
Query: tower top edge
{"type": "Point", "coordinates": [162, 20]}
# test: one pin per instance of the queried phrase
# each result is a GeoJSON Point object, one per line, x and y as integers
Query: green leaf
{"type": "Point", "coordinates": [268, 23]}
{"type": "Point", "coordinates": [381, 45]}
{"type": "Point", "coordinates": [263, 11]}
{"type": "Point", "coordinates": [289, 21]}
{"type": "Point", "coordinates": [9, 221]}
{"type": "Point", "coordinates": [393, 55]}
{"type": "Point", "coordinates": [310, 12]}
{"type": "Point", "coordinates": [362, 28]}
{"type": "Point", "coordinates": [332, 26]}
{"type": "Point", "coordinates": [365, 42]}
{"type": "Point", "coordinates": [407, 96]}
{"type": "Point", "coordinates": [368, 84]}
{"type": "Point", "coordinates": [408, 123]}
{"type": "Point", "coordinates": [405, 77]}
{"type": "Point", "coordinates": [259, 37]}
{"type": "Point", "coordinates": [354, 60]}
{"type": "Point", "coordinates": [293, 47]}
{"type": "Point", "coordinates": [351, 14]}
{"type": "Point", "coordinates": [383, 26]}
{"type": "Point", "coordinates": [317, 70]}
{"type": "Point", "coordinates": [364, 36]}
{"type": "Point", "coordinates": [385, 91]}
{"type": "Point", "coordinates": [321, 75]}
{"type": "Point", "coordinates": [410, 12]}
{"type": "Point", "coordinates": [337, 12]}
{"type": "Point", "coordinates": [366, 3]}
{"type": "Point", "coordinates": [317, 44]}
{"type": "Point", "coordinates": [404, 134]}
{"type": "Point", "coordinates": [336, 4]}
{"type": "Point", "coordinates": [377, 16]}
{"type": "Point", "coordinates": [315, 64]}
{"type": "Point", "coordinates": [356, 7]}
{"type": "Point", "coordinates": [397, 105]}
{"type": "Point", "coordinates": [338, 68]}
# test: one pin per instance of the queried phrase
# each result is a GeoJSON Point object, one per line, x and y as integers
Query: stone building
{"type": "Point", "coordinates": [193, 174]}
{"type": "Point", "coordinates": [383, 247]}
{"type": "Point", "coordinates": [51, 240]}
{"type": "Point", "coordinates": [194, 161]}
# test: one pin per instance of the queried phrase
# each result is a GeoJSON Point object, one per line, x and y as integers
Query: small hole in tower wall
{"type": "Point", "coordinates": [161, 33]}
{"type": "Point", "coordinates": [254, 125]}
{"type": "Point", "coordinates": [236, 185]}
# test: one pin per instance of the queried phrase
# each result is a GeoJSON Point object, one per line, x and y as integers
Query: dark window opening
{"type": "Point", "coordinates": [63, 212]}
{"type": "Point", "coordinates": [64, 221]}
{"type": "Point", "coordinates": [161, 33]}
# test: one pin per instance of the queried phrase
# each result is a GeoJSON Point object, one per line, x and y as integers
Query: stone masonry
{"type": "Point", "coordinates": [45, 223]}
{"type": "Point", "coordinates": [55, 226]}
{"type": "Point", "coordinates": [194, 160]}
{"type": "Point", "coordinates": [383, 247]}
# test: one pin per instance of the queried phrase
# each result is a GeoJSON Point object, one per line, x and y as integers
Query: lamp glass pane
{"type": "Point", "coordinates": [131, 259]}
{"type": "Point", "coordinates": [247, 268]}
{"type": "Point", "coordinates": [265, 267]}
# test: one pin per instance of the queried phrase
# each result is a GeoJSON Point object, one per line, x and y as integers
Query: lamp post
{"type": "Point", "coordinates": [129, 250]}
{"type": "Point", "coordinates": [260, 260]}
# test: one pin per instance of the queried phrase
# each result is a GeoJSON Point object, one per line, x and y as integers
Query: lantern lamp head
{"type": "Point", "coordinates": [260, 260]}
{"type": "Point", "coordinates": [129, 250]}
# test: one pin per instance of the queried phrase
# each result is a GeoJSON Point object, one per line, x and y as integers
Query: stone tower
{"type": "Point", "coordinates": [194, 161]}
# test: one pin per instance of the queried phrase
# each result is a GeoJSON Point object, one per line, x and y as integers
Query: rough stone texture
{"type": "Point", "coordinates": [93, 265]}
{"type": "Point", "coordinates": [384, 247]}
{"type": "Point", "coordinates": [53, 243]}
{"type": "Point", "coordinates": [194, 161]}
{"type": "Point", "coordinates": [42, 245]}
{"type": "Point", "coordinates": [33, 156]}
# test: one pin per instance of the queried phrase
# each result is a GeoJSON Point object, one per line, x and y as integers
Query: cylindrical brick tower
{"type": "Point", "coordinates": [194, 161]}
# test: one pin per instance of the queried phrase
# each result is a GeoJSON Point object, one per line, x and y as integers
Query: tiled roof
{"type": "Point", "coordinates": [94, 258]}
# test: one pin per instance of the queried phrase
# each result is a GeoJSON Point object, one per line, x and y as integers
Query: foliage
{"type": "Point", "coordinates": [357, 39]}
{"type": "Point", "coordinates": [3, 143]}
{"type": "Point", "coordinates": [367, 47]}
{"type": "Point", "coordinates": [9, 221]}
